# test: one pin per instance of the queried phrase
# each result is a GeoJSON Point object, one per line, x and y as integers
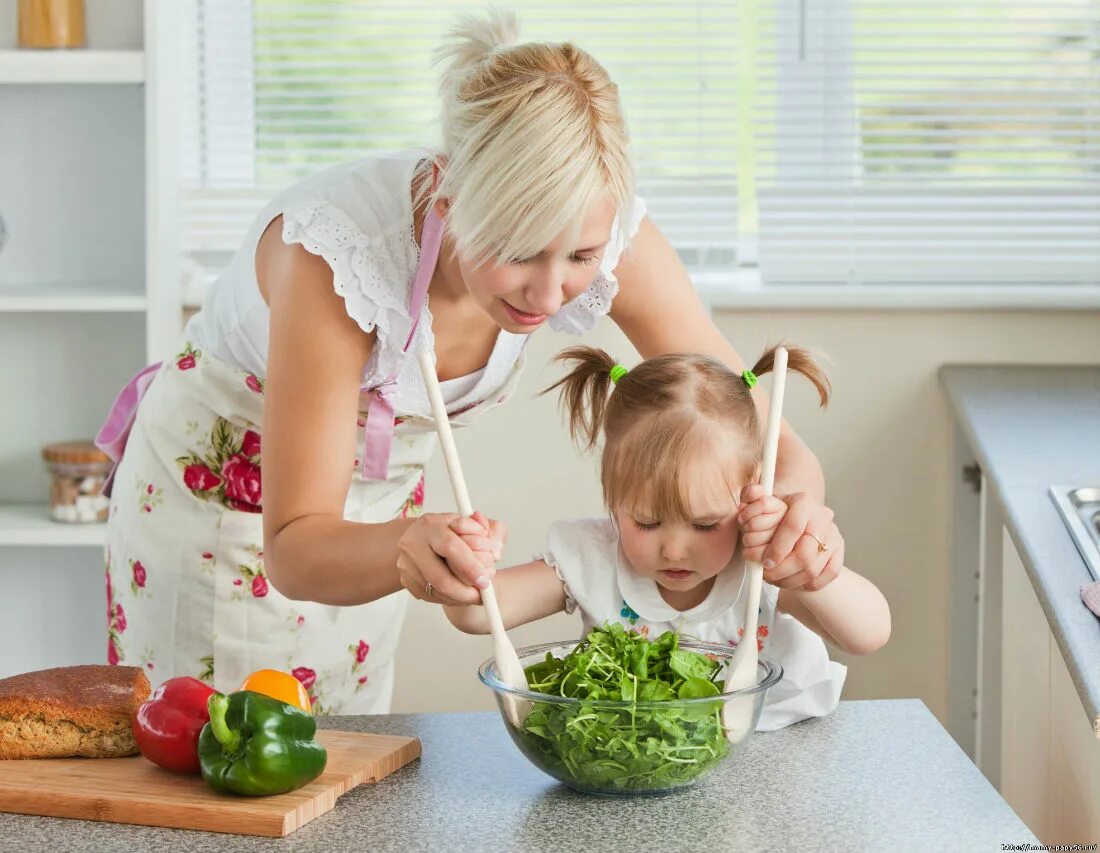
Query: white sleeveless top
{"type": "Point", "coordinates": [599, 581]}
{"type": "Point", "coordinates": [358, 216]}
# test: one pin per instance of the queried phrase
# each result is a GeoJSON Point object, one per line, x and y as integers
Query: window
{"type": "Point", "coordinates": [782, 145]}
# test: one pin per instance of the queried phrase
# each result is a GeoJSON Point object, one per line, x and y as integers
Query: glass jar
{"type": "Point", "coordinates": [79, 470]}
{"type": "Point", "coordinates": [51, 23]}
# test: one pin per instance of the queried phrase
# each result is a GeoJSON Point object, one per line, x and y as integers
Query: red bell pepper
{"type": "Point", "coordinates": [167, 726]}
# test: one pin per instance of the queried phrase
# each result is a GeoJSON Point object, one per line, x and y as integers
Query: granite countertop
{"type": "Point", "coordinates": [1031, 428]}
{"type": "Point", "coordinates": [874, 775]}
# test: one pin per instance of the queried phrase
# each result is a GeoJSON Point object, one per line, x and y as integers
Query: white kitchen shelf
{"type": "Point", "coordinates": [71, 296]}
{"type": "Point", "coordinates": [31, 525]}
{"type": "Point", "coordinates": [72, 66]}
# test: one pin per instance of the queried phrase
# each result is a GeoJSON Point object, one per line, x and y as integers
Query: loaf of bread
{"type": "Point", "coordinates": [71, 711]}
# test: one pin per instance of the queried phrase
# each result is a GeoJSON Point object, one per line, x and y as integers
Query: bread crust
{"type": "Point", "coordinates": [71, 711]}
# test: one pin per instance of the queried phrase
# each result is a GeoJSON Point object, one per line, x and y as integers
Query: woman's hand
{"type": "Point", "coordinates": [794, 537]}
{"type": "Point", "coordinates": [456, 556]}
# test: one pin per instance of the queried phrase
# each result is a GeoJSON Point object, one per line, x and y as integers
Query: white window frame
{"type": "Point", "coordinates": [230, 23]}
{"type": "Point", "coordinates": [744, 287]}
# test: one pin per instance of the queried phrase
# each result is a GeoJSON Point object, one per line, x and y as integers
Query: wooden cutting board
{"type": "Point", "coordinates": [134, 790]}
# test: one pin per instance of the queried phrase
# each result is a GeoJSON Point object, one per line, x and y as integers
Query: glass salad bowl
{"type": "Point", "coordinates": [618, 714]}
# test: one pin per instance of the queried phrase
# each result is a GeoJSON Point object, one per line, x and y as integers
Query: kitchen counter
{"type": "Point", "coordinates": [874, 775]}
{"type": "Point", "coordinates": [1030, 428]}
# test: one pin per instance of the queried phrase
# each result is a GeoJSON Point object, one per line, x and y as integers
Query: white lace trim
{"type": "Point", "coordinates": [371, 274]}
{"type": "Point", "coordinates": [584, 313]}
{"type": "Point", "coordinates": [570, 601]}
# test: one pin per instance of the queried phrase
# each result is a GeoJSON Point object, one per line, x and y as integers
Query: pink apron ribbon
{"type": "Point", "coordinates": [115, 432]}
{"type": "Point", "coordinates": [378, 431]}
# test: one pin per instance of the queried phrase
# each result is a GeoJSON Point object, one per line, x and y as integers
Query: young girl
{"type": "Point", "coordinates": [682, 444]}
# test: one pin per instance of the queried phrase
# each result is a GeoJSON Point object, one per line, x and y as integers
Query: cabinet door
{"type": "Point", "coordinates": [1074, 803]}
{"type": "Point", "coordinates": [1025, 708]}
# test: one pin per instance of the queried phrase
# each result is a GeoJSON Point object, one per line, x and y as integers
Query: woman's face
{"type": "Point", "coordinates": [522, 294]}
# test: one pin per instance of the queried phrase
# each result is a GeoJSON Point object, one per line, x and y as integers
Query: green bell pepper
{"type": "Point", "coordinates": [256, 745]}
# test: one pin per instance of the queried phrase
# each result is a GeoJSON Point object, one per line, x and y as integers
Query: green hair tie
{"type": "Point", "coordinates": [617, 373]}
{"type": "Point", "coordinates": [749, 378]}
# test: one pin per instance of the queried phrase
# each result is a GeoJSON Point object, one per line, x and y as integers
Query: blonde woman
{"type": "Point", "coordinates": [308, 339]}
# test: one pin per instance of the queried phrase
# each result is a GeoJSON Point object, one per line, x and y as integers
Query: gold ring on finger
{"type": "Point", "coordinates": [428, 590]}
{"type": "Point", "coordinates": [822, 547]}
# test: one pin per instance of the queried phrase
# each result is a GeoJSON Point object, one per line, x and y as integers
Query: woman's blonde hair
{"type": "Point", "coordinates": [665, 415]}
{"type": "Point", "coordinates": [533, 134]}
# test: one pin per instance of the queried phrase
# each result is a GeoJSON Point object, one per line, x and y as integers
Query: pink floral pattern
{"type": "Point", "coordinates": [359, 652]}
{"type": "Point", "coordinates": [308, 679]}
{"type": "Point", "coordinates": [761, 635]}
{"type": "Point", "coordinates": [461, 410]}
{"type": "Point", "coordinates": [187, 359]}
{"type": "Point", "coordinates": [307, 676]}
{"type": "Point", "coordinates": [199, 478]}
{"type": "Point", "coordinates": [149, 496]}
{"type": "Point", "coordinates": [229, 470]}
{"type": "Point", "coordinates": [253, 574]}
{"type": "Point", "coordinates": [138, 577]}
{"type": "Point", "coordinates": [254, 383]}
{"type": "Point", "coordinates": [414, 503]}
{"type": "Point", "coordinates": [294, 623]}
{"type": "Point", "coordinates": [116, 623]}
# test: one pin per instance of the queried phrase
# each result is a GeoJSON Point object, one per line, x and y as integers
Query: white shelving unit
{"type": "Point", "coordinates": [27, 525]}
{"type": "Point", "coordinates": [76, 66]}
{"type": "Point", "coordinates": [71, 297]}
{"type": "Point", "coordinates": [89, 293]}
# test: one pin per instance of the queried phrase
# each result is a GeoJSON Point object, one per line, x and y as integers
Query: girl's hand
{"type": "Point", "coordinates": [758, 516]}
{"type": "Point", "coordinates": [794, 537]}
{"type": "Point", "coordinates": [455, 555]}
{"type": "Point", "coordinates": [488, 541]}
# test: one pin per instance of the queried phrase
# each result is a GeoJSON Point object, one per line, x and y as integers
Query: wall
{"type": "Point", "coordinates": [884, 443]}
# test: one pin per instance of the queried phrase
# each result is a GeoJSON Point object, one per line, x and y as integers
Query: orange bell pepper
{"type": "Point", "coordinates": [279, 685]}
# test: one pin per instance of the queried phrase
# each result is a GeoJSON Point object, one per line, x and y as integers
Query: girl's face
{"type": "Point", "coordinates": [680, 554]}
{"type": "Point", "coordinates": [522, 294]}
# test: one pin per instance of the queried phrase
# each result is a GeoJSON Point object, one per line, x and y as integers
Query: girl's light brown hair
{"type": "Point", "coordinates": [665, 415]}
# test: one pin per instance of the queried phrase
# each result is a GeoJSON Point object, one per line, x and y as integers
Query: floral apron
{"type": "Point", "coordinates": [186, 589]}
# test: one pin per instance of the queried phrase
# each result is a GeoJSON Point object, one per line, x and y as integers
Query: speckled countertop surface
{"type": "Point", "coordinates": [873, 776]}
{"type": "Point", "coordinates": [1031, 428]}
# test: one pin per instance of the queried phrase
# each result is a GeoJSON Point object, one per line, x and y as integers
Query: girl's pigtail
{"type": "Point", "coordinates": [584, 391]}
{"type": "Point", "coordinates": [800, 361]}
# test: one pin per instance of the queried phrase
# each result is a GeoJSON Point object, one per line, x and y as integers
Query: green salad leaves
{"type": "Point", "coordinates": [629, 748]}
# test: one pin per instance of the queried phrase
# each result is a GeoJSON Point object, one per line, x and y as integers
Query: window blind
{"type": "Point", "coordinates": [778, 142]}
{"type": "Point", "coordinates": [927, 143]}
{"type": "Point", "coordinates": [278, 89]}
